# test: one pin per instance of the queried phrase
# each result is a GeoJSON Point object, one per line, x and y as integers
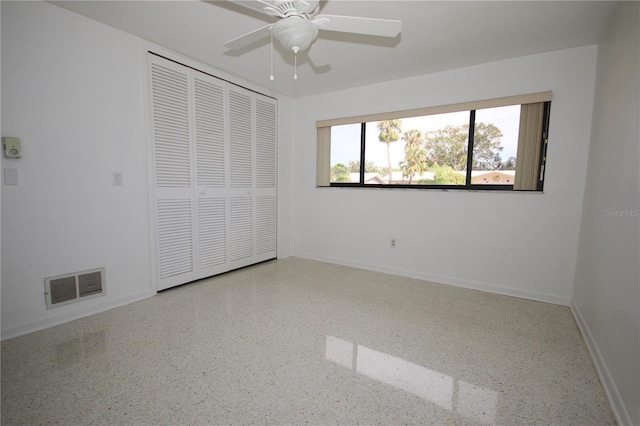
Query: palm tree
{"type": "Point", "coordinates": [412, 137]}
{"type": "Point", "coordinates": [415, 155]}
{"type": "Point", "coordinates": [389, 132]}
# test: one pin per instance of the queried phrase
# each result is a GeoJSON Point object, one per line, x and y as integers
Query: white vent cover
{"type": "Point", "coordinates": [70, 288]}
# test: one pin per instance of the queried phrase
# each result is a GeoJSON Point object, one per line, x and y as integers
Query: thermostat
{"type": "Point", "coordinates": [11, 147]}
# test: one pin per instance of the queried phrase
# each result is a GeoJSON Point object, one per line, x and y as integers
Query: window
{"type": "Point", "coordinates": [345, 155]}
{"type": "Point", "coordinates": [498, 144]}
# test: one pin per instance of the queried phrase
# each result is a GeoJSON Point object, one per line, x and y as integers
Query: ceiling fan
{"type": "Point", "coordinates": [299, 22]}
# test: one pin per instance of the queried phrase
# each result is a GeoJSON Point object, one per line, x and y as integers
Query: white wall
{"type": "Point", "coordinates": [523, 244]}
{"type": "Point", "coordinates": [72, 90]}
{"type": "Point", "coordinates": [606, 295]}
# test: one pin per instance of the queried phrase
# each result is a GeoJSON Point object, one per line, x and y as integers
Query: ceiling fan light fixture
{"type": "Point", "coordinates": [299, 23]}
{"type": "Point", "coordinates": [295, 33]}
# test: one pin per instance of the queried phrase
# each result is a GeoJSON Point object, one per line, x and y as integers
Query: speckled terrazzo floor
{"type": "Point", "coordinates": [296, 341]}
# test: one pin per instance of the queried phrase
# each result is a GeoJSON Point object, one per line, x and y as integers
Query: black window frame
{"type": "Point", "coordinates": [468, 186]}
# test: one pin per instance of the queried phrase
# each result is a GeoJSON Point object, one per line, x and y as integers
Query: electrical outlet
{"type": "Point", "coordinates": [393, 243]}
{"type": "Point", "coordinates": [117, 178]}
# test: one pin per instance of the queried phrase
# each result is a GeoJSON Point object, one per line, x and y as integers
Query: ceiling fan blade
{"type": "Point", "coordinates": [318, 62]}
{"type": "Point", "coordinates": [317, 56]}
{"type": "Point", "coordinates": [258, 5]}
{"type": "Point", "coordinates": [358, 25]}
{"type": "Point", "coordinates": [248, 38]}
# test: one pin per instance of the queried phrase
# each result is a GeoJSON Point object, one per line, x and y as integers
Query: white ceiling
{"type": "Point", "coordinates": [436, 36]}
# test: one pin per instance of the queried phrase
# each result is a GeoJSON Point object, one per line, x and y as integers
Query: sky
{"type": "Point", "coordinates": [345, 140]}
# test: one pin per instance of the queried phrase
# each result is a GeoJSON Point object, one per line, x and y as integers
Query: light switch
{"type": "Point", "coordinates": [10, 176]}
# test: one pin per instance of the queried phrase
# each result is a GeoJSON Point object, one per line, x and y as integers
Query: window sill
{"type": "Point", "coordinates": [384, 188]}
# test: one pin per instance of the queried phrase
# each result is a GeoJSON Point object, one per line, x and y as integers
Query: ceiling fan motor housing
{"type": "Point", "coordinates": [295, 33]}
{"type": "Point", "coordinates": [286, 8]}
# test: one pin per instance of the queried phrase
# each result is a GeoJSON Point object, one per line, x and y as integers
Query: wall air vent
{"type": "Point", "coordinates": [70, 288]}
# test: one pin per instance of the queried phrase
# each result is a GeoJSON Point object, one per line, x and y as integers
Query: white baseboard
{"type": "Point", "coordinates": [490, 288]}
{"type": "Point", "coordinates": [610, 389]}
{"type": "Point", "coordinates": [77, 312]}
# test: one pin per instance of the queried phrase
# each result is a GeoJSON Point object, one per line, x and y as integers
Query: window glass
{"type": "Point", "coordinates": [345, 153]}
{"type": "Point", "coordinates": [495, 145]}
{"type": "Point", "coordinates": [427, 150]}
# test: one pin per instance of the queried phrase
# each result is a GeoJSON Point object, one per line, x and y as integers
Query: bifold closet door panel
{"type": "Point", "coordinates": [266, 178]}
{"type": "Point", "coordinates": [241, 176]}
{"type": "Point", "coordinates": [211, 175]}
{"type": "Point", "coordinates": [172, 182]}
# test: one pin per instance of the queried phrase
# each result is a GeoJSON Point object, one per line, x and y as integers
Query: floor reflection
{"type": "Point", "coordinates": [445, 391]}
{"type": "Point", "coordinates": [73, 351]}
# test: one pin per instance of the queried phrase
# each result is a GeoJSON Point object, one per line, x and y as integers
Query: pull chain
{"type": "Point", "coordinates": [271, 76]}
{"type": "Point", "coordinates": [295, 61]}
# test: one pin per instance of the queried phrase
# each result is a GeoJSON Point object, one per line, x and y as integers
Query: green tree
{"type": "Point", "coordinates": [444, 175]}
{"type": "Point", "coordinates": [390, 131]}
{"type": "Point", "coordinates": [340, 173]}
{"type": "Point", "coordinates": [510, 164]}
{"type": "Point", "coordinates": [412, 137]}
{"type": "Point", "coordinates": [415, 156]}
{"type": "Point", "coordinates": [448, 146]}
{"type": "Point", "coordinates": [369, 167]}
{"type": "Point", "coordinates": [487, 139]}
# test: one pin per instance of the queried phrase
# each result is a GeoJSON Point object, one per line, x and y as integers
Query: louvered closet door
{"type": "Point", "coordinates": [241, 177]}
{"type": "Point", "coordinates": [252, 146]}
{"type": "Point", "coordinates": [211, 175]}
{"type": "Point", "coordinates": [266, 142]}
{"type": "Point", "coordinates": [214, 174]}
{"type": "Point", "coordinates": [172, 159]}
